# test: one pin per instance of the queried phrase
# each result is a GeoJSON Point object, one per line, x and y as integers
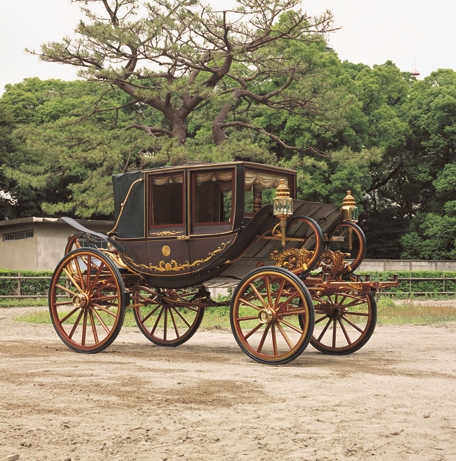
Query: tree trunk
{"type": "Point", "coordinates": [217, 131]}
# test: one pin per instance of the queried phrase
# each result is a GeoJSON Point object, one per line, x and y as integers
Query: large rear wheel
{"type": "Point", "coordinates": [86, 300]}
{"type": "Point", "coordinates": [271, 315]}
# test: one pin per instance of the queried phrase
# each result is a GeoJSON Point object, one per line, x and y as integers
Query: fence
{"type": "Point", "coordinates": [26, 286]}
{"type": "Point", "coordinates": [436, 286]}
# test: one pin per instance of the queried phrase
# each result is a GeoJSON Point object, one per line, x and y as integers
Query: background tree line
{"type": "Point", "coordinates": [169, 82]}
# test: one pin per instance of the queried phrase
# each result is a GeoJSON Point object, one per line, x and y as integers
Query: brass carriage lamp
{"type": "Point", "coordinates": [349, 210]}
{"type": "Point", "coordinates": [283, 207]}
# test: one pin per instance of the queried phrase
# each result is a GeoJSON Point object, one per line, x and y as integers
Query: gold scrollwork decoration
{"type": "Point", "coordinates": [165, 233]}
{"type": "Point", "coordinates": [356, 286]}
{"type": "Point", "coordinates": [173, 265]}
{"type": "Point", "coordinates": [114, 256]}
{"type": "Point", "coordinates": [333, 262]}
{"type": "Point", "coordinates": [292, 258]}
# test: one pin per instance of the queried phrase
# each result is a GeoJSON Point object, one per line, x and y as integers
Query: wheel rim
{"type": "Point", "coordinates": [74, 242]}
{"type": "Point", "coordinates": [349, 238]}
{"type": "Point", "coordinates": [312, 237]}
{"type": "Point", "coordinates": [344, 321]}
{"type": "Point", "coordinates": [272, 316]}
{"type": "Point", "coordinates": [167, 317]}
{"type": "Point", "coordinates": [86, 301]}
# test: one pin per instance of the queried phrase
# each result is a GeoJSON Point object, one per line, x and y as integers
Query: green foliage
{"type": "Point", "coordinates": [64, 158]}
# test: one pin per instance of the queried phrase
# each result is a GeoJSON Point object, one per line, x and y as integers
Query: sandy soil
{"type": "Point", "coordinates": [205, 400]}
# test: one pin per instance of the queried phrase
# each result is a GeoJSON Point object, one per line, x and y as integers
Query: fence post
{"type": "Point", "coordinates": [19, 284]}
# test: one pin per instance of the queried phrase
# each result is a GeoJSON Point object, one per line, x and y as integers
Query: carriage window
{"type": "Point", "coordinates": [166, 201]}
{"type": "Point", "coordinates": [213, 192]}
{"type": "Point", "coordinates": [259, 189]}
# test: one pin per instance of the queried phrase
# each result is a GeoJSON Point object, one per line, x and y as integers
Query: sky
{"type": "Point", "coordinates": [414, 34]}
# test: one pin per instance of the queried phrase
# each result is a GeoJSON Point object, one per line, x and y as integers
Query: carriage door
{"type": "Point", "coordinates": [167, 240]}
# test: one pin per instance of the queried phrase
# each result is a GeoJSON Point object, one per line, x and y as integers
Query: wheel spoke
{"type": "Point", "coordinates": [70, 314]}
{"type": "Point", "coordinates": [325, 329]}
{"type": "Point", "coordinates": [285, 336]}
{"type": "Point", "coordinates": [259, 297]}
{"type": "Point", "coordinates": [94, 327]}
{"type": "Point", "coordinates": [252, 331]}
{"type": "Point", "coordinates": [102, 322]}
{"type": "Point", "coordinates": [290, 325]}
{"type": "Point", "coordinates": [178, 313]}
{"type": "Point", "coordinates": [157, 322]}
{"type": "Point", "coordinates": [150, 314]}
{"type": "Point", "coordinates": [76, 284]}
{"type": "Point", "coordinates": [76, 323]}
{"type": "Point", "coordinates": [247, 303]}
{"type": "Point", "coordinates": [356, 327]}
{"type": "Point", "coordinates": [173, 321]}
{"type": "Point", "coordinates": [342, 326]}
{"type": "Point", "coordinates": [263, 339]}
{"type": "Point", "coordinates": [84, 327]}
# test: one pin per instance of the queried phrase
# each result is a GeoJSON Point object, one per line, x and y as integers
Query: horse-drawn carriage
{"type": "Point", "coordinates": [180, 232]}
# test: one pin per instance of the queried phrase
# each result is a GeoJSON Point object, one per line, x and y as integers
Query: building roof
{"type": "Point", "coordinates": [33, 220]}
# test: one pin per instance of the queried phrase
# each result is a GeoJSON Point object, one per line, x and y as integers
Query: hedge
{"type": "Point", "coordinates": [430, 282]}
{"type": "Point", "coordinates": [24, 283]}
{"type": "Point", "coordinates": [419, 282]}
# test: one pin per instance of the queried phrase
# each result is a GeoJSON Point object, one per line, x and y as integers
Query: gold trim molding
{"type": "Point", "coordinates": [173, 265]}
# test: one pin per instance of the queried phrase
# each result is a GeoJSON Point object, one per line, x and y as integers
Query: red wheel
{"type": "Point", "coordinates": [344, 321]}
{"type": "Point", "coordinates": [272, 315]}
{"type": "Point", "coordinates": [86, 301]}
{"type": "Point", "coordinates": [168, 317]}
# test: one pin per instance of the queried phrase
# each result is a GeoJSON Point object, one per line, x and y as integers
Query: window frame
{"type": "Point", "coordinates": [178, 228]}
{"type": "Point", "coordinates": [211, 226]}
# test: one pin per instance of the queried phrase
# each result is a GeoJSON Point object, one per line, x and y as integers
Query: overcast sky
{"type": "Point", "coordinates": [412, 33]}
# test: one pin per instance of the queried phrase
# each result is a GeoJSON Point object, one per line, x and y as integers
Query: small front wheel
{"type": "Point", "coordinates": [272, 315]}
{"type": "Point", "coordinates": [86, 300]}
{"type": "Point", "coordinates": [344, 321]}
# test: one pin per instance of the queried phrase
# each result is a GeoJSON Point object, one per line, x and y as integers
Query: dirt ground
{"type": "Point", "coordinates": [395, 399]}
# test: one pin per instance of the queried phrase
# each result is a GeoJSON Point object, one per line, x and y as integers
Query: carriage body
{"type": "Point", "coordinates": [198, 224]}
{"type": "Point", "coordinates": [180, 231]}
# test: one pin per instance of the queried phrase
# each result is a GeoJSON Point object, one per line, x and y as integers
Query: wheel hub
{"type": "Point", "coordinates": [81, 300]}
{"type": "Point", "coordinates": [266, 316]}
{"type": "Point", "coordinates": [330, 309]}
